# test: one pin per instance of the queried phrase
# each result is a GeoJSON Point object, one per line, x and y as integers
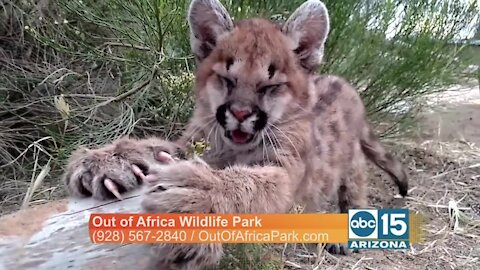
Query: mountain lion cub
{"type": "Point", "coordinates": [277, 134]}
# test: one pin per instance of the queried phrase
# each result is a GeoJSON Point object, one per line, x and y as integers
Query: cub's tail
{"type": "Point", "coordinates": [375, 151]}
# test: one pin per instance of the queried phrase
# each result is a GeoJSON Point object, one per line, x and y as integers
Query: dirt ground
{"type": "Point", "coordinates": [443, 159]}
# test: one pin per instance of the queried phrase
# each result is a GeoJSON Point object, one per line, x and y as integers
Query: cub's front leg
{"type": "Point", "coordinates": [191, 186]}
{"type": "Point", "coordinates": [106, 172]}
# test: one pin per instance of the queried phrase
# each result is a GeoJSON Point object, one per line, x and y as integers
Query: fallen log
{"type": "Point", "coordinates": [55, 236]}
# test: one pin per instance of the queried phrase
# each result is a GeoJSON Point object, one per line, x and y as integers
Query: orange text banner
{"type": "Point", "coordinates": [219, 228]}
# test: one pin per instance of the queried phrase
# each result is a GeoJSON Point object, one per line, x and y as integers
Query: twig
{"type": "Point", "coordinates": [35, 143]}
{"type": "Point", "coordinates": [131, 91]}
{"type": "Point", "coordinates": [117, 44]}
{"type": "Point", "coordinates": [35, 183]}
{"type": "Point", "coordinates": [360, 261]}
{"type": "Point", "coordinates": [292, 264]}
{"type": "Point", "coordinates": [126, 94]}
{"type": "Point", "coordinates": [456, 170]}
{"type": "Point", "coordinates": [446, 207]}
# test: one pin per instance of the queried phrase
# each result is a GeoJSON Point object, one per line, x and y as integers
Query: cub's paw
{"type": "Point", "coordinates": [99, 173]}
{"type": "Point", "coordinates": [186, 256]}
{"type": "Point", "coordinates": [107, 172]}
{"type": "Point", "coordinates": [186, 186]}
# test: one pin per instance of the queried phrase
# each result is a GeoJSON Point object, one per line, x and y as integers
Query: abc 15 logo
{"type": "Point", "coordinates": [372, 224]}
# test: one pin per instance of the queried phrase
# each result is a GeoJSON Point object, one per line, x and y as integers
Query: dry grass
{"type": "Point", "coordinates": [445, 189]}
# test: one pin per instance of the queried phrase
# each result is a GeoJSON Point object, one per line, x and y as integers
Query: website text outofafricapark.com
{"type": "Point", "coordinates": [207, 236]}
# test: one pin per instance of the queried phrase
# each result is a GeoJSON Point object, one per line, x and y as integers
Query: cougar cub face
{"type": "Point", "coordinates": [252, 74]}
{"type": "Point", "coordinates": [248, 81]}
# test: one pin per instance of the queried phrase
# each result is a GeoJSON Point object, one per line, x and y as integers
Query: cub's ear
{"type": "Point", "coordinates": [308, 28]}
{"type": "Point", "coordinates": [208, 20]}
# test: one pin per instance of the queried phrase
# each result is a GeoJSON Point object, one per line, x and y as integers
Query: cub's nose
{"type": "Point", "coordinates": [240, 114]}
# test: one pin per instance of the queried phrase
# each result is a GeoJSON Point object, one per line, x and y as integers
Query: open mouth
{"type": "Point", "coordinates": [239, 137]}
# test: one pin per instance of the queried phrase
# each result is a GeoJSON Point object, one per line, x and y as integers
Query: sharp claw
{"type": "Point", "coordinates": [151, 179]}
{"type": "Point", "coordinates": [165, 157]}
{"type": "Point", "coordinates": [137, 171]}
{"type": "Point", "coordinates": [110, 185]}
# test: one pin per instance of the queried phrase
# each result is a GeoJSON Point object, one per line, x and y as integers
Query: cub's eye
{"type": "Point", "coordinates": [269, 89]}
{"type": "Point", "coordinates": [230, 84]}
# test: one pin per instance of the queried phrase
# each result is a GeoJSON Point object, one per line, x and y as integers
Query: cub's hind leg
{"type": "Point", "coordinates": [352, 193]}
